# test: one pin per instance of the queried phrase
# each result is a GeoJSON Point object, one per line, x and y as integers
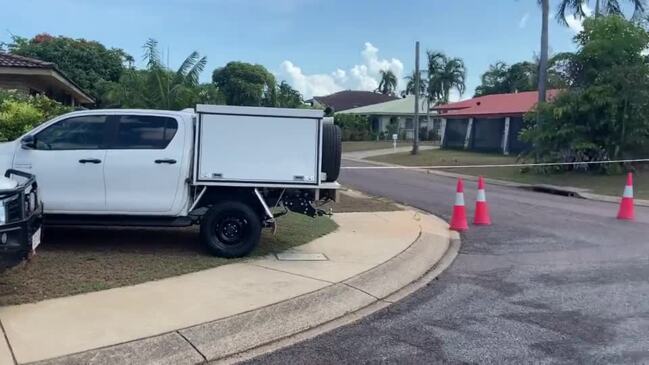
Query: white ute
{"type": "Point", "coordinates": [229, 169]}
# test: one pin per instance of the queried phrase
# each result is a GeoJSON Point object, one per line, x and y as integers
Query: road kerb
{"type": "Point", "coordinates": [166, 349]}
{"type": "Point", "coordinates": [284, 323]}
{"type": "Point", "coordinates": [435, 271]}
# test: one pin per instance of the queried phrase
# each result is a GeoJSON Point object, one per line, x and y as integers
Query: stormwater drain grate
{"type": "Point", "coordinates": [300, 256]}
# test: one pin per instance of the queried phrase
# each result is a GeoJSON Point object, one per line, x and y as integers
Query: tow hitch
{"type": "Point", "coordinates": [21, 216]}
{"type": "Point", "coordinates": [302, 205]}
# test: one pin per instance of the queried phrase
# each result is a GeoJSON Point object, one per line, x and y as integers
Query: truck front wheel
{"type": "Point", "coordinates": [230, 229]}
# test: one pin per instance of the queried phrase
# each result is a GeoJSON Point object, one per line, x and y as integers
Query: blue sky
{"type": "Point", "coordinates": [319, 46]}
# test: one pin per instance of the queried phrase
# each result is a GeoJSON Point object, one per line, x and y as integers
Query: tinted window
{"type": "Point", "coordinates": [76, 133]}
{"type": "Point", "coordinates": [145, 132]}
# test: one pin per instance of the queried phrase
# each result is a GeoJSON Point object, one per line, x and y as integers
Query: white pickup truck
{"type": "Point", "coordinates": [232, 170]}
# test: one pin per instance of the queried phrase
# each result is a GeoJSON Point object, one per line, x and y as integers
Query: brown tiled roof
{"type": "Point", "coordinates": [10, 60]}
{"type": "Point", "coordinates": [349, 99]}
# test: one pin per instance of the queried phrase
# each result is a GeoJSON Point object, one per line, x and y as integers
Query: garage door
{"type": "Point", "coordinates": [455, 133]}
{"type": "Point", "coordinates": [487, 134]}
{"type": "Point", "coordinates": [515, 144]}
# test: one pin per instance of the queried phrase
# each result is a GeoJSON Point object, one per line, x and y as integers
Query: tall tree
{"type": "Point", "coordinates": [287, 97]}
{"type": "Point", "coordinates": [604, 114]}
{"type": "Point", "coordinates": [501, 78]}
{"type": "Point", "coordinates": [602, 7]}
{"type": "Point", "coordinates": [245, 84]}
{"type": "Point", "coordinates": [86, 62]}
{"type": "Point", "coordinates": [388, 83]}
{"type": "Point", "coordinates": [157, 86]}
{"type": "Point", "coordinates": [444, 75]}
{"type": "Point", "coordinates": [410, 85]}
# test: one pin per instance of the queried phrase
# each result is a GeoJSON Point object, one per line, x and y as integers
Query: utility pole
{"type": "Point", "coordinates": [415, 140]}
{"type": "Point", "coordinates": [543, 59]}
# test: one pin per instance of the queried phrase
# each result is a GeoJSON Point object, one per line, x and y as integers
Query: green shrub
{"type": "Point", "coordinates": [604, 115]}
{"type": "Point", "coordinates": [16, 118]}
{"type": "Point", "coordinates": [19, 113]}
{"type": "Point", "coordinates": [354, 127]}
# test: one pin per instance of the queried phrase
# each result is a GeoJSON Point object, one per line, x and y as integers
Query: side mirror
{"type": "Point", "coordinates": [28, 142]}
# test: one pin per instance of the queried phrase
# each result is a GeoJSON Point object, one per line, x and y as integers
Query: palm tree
{"type": "Point", "coordinates": [388, 83]}
{"type": "Point", "coordinates": [602, 7]}
{"type": "Point", "coordinates": [410, 85]}
{"type": "Point", "coordinates": [157, 86]}
{"type": "Point", "coordinates": [444, 74]}
{"type": "Point", "coordinates": [576, 7]}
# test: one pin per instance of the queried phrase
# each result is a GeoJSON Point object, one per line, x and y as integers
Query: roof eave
{"type": "Point", "coordinates": [53, 72]}
{"type": "Point", "coordinates": [482, 115]}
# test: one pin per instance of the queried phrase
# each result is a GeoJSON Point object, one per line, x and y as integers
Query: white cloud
{"type": "Point", "coordinates": [523, 22]}
{"type": "Point", "coordinates": [576, 24]}
{"type": "Point", "coordinates": [364, 76]}
{"type": "Point", "coordinates": [310, 85]}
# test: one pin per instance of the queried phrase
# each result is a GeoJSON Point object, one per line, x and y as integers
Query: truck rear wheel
{"type": "Point", "coordinates": [230, 229]}
{"type": "Point", "coordinates": [331, 151]}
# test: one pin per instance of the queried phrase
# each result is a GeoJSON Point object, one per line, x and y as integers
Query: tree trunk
{"type": "Point", "coordinates": [543, 63]}
{"type": "Point", "coordinates": [597, 8]}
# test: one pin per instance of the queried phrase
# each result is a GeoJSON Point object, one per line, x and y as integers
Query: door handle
{"type": "Point", "coordinates": [168, 161]}
{"type": "Point", "coordinates": [90, 160]}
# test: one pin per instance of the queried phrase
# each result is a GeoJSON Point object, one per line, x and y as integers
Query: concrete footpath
{"type": "Point", "coordinates": [221, 312]}
{"type": "Point", "coordinates": [361, 155]}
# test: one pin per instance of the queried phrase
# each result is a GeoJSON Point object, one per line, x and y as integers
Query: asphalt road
{"type": "Point", "coordinates": [554, 280]}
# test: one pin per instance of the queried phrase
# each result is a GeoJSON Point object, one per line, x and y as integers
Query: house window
{"type": "Point", "coordinates": [409, 123]}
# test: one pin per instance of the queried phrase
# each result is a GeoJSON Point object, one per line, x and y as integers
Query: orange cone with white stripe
{"type": "Point", "coordinates": [481, 208]}
{"type": "Point", "coordinates": [458, 219]}
{"type": "Point", "coordinates": [626, 205]}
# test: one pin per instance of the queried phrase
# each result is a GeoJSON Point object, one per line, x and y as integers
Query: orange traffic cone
{"type": "Point", "coordinates": [626, 205]}
{"type": "Point", "coordinates": [481, 208]}
{"type": "Point", "coordinates": [458, 219]}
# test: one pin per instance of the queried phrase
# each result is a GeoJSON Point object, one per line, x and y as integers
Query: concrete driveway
{"type": "Point", "coordinates": [554, 280]}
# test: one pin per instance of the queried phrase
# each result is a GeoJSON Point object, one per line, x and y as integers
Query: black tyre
{"type": "Point", "coordinates": [230, 229]}
{"type": "Point", "coordinates": [331, 151]}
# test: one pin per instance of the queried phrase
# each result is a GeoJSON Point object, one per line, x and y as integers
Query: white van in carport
{"type": "Point", "coordinates": [222, 167]}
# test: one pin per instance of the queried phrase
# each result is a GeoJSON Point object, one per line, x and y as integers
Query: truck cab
{"type": "Point", "coordinates": [171, 168]}
{"type": "Point", "coordinates": [110, 162]}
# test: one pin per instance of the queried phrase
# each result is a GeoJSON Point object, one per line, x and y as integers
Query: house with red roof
{"type": "Point", "coordinates": [489, 123]}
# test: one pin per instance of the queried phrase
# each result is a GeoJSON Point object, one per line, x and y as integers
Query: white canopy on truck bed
{"type": "Point", "coordinates": [252, 145]}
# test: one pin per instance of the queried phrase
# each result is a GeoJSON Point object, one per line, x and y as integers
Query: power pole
{"type": "Point", "coordinates": [415, 140]}
{"type": "Point", "coordinates": [543, 59]}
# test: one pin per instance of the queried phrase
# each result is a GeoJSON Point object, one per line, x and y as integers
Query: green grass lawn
{"type": "Point", "coordinates": [77, 260]}
{"type": "Point", "coordinates": [373, 145]}
{"type": "Point", "coordinates": [600, 184]}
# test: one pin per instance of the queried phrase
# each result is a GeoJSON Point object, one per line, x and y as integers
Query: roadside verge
{"type": "Point", "coordinates": [545, 188]}
{"type": "Point", "coordinates": [226, 311]}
